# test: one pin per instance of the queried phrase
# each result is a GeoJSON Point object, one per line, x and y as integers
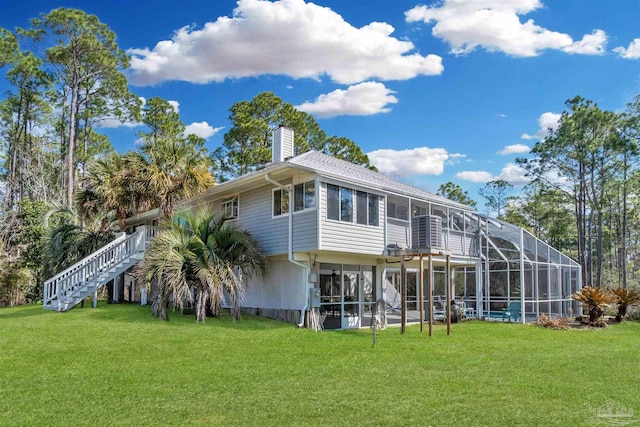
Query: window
{"type": "Point", "coordinates": [361, 207]}
{"type": "Point", "coordinates": [280, 202]}
{"type": "Point", "coordinates": [304, 196]}
{"type": "Point", "coordinates": [340, 205]}
{"type": "Point", "coordinates": [418, 210]}
{"type": "Point", "coordinates": [333, 202]}
{"type": "Point", "coordinates": [229, 208]}
{"type": "Point", "coordinates": [346, 205]}
{"type": "Point", "coordinates": [397, 210]}
{"type": "Point", "coordinates": [373, 209]}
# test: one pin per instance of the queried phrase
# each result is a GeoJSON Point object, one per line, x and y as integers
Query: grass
{"type": "Point", "coordinates": [116, 365]}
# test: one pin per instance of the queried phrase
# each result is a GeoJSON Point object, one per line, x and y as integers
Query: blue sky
{"type": "Point", "coordinates": [433, 92]}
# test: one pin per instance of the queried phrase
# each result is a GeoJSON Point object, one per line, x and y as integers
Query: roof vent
{"type": "Point", "coordinates": [282, 144]}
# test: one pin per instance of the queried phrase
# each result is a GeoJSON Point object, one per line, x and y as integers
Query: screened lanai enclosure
{"type": "Point", "coordinates": [500, 264]}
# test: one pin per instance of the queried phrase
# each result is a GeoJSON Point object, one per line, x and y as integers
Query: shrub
{"type": "Point", "coordinates": [625, 298]}
{"type": "Point", "coordinates": [596, 299]}
{"type": "Point", "coordinates": [545, 321]}
{"type": "Point", "coordinates": [634, 314]}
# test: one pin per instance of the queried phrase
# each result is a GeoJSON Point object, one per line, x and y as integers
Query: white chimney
{"type": "Point", "coordinates": [282, 144]}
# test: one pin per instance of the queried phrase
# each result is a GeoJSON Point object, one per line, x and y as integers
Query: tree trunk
{"type": "Point", "coordinates": [595, 313]}
{"type": "Point", "coordinates": [623, 240]}
{"type": "Point", "coordinates": [71, 143]}
{"type": "Point", "coordinates": [201, 306]}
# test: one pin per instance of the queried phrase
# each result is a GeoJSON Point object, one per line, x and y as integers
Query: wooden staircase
{"type": "Point", "coordinates": [68, 288]}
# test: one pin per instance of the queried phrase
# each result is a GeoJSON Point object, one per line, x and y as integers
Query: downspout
{"type": "Point", "coordinates": [290, 242]}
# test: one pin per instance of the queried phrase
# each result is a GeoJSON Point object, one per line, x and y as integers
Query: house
{"type": "Point", "coordinates": [340, 236]}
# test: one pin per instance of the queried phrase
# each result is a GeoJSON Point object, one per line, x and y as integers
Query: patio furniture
{"type": "Point", "coordinates": [513, 311]}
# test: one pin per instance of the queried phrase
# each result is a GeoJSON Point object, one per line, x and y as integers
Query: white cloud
{"type": "Point", "coordinates": [514, 149]}
{"type": "Point", "coordinates": [546, 121]}
{"type": "Point", "coordinates": [111, 122]}
{"type": "Point", "coordinates": [363, 99]}
{"type": "Point", "coordinates": [287, 37]}
{"type": "Point", "coordinates": [475, 176]}
{"type": "Point", "coordinates": [495, 26]}
{"type": "Point", "coordinates": [175, 105]}
{"type": "Point", "coordinates": [632, 52]}
{"type": "Point", "coordinates": [202, 129]}
{"type": "Point", "coordinates": [417, 161]}
{"type": "Point", "coordinates": [591, 44]}
{"type": "Point", "coordinates": [514, 175]}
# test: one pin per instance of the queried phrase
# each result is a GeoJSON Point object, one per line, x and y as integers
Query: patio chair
{"type": "Point", "coordinates": [513, 311]}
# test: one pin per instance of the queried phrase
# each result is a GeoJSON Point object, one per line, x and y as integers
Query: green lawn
{"type": "Point", "coordinates": [116, 365]}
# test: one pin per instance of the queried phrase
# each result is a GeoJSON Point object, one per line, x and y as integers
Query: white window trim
{"type": "Point", "coordinates": [316, 198]}
{"type": "Point", "coordinates": [354, 209]}
{"type": "Point", "coordinates": [230, 200]}
{"type": "Point", "coordinates": [273, 201]}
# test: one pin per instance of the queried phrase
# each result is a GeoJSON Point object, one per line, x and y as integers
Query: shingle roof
{"type": "Point", "coordinates": [339, 169]}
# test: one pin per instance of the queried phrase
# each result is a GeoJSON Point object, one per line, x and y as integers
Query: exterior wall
{"type": "Point", "coordinates": [256, 216]}
{"type": "Point", "coordinates": [460, 243]}
{"type": "Point", "coordinates": [350, 237]}
{"type": "Point", "coordinates": [285, 287]}
{"type": "Point", "coordinates": [398, 232]}
{"type": "Point", "coordinates": [255, 209]}
{"type": "Point", "coordinates": [305, 230]}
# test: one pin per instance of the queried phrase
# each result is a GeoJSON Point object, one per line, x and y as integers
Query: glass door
{"type": "Point", "coordinates": [351, 292]}
{"type": "Point", "coordinates": [330, 296]}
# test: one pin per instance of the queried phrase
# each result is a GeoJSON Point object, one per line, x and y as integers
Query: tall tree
{"type": "Point", "coordinates": [345, 149]}
{"type": "Point", "coordinates": [497, 194]}
{"type": "Point", "coordinates": [110, 187]}
{"type": "Point", "coordinates": [629, 184]}
{"type": "Point", "coordinates": [454, 192]}
{"type": "Point", "coordinates": [85, 58]}
{"type": "Point", "coordinates": [8, 47]}
{"type": "Point", "coordinates": [248, 143]}
{"type": "Point", "coordinates": [579, 153]}
{"type": "Point", "coordinates": [547, 213]}
{"type": "Point", "coordinates": [162, 119]}
{"type": "Point", "coordinates": [168, 167]}
{"type": "Point", "coordinates": [23, 112]}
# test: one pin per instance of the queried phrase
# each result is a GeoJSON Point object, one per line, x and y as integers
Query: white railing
{"type": "Point", "coordinates": [85, 272]}
{"type": "Point", "coordinates": [151, 232]}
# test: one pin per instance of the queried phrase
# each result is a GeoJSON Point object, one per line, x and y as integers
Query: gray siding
{"type": "Point", "coordinates": [398, 232]}
{"type": "Point", "coordinates": [255, 216]}
{"type": "Point", "coordinates": [456, 242]}
{"type": "Point", "coordinates": [305, 230]}
{"type": "Point", "coordinates": [350, 237]}
{"type": "Point", "coordinates": [461, 244]}
{"type": "Point", "coordinates": [271, 232]}
{"type": "Point", "coordinates": [285, 287]}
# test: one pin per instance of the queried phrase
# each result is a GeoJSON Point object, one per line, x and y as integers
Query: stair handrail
{"type": "Point", "coordinates": [121, 239]}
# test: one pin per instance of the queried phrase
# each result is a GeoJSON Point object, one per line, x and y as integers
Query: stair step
{"type": "Point", "coordinates": [74, 293]}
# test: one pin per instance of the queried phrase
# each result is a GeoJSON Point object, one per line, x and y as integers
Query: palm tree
{"type": "Point", "coordinates": [68, 242]}
{"type": "Point", "coordinates": [170, 169]}
{"type": "Point", "coordinates": [624, 298]}
{"type": "Point", "coordinates": [199, 258]}
{"type": "Point", "coordinates": [596, 300]}
{"type": "Point", "coordinates": [111, 186]}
